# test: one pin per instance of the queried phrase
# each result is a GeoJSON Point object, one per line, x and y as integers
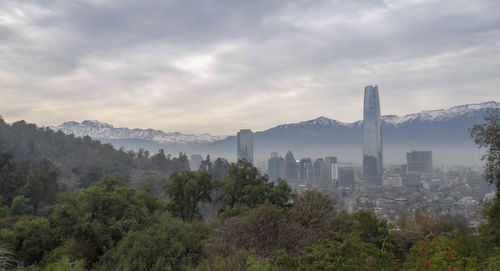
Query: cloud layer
{"type": "Point", "coordinates": [218, 66]}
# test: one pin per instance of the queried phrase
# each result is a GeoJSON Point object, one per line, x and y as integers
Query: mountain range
{"type": "Point", "coordinates": [444, 131]}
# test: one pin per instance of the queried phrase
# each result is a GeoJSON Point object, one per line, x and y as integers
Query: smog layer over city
{"type": "Point", "coordinates": [249, 135]}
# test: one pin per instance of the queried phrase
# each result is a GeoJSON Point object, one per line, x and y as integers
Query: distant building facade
{"type": "Point", "coordinates": [344, 174]}
{"type": "Point", "coordinates": [372, 138]}
{"type": "Point", "coordinates": [245, 145]}
{"type": "Point", "coordinates": [329, 161]}
{"type": "Point", "coordinates": [319, 169]}
{"type": "Point", "coordinates": [275, 167]}
{"type": "Point", "coordinates": [195, 162]}
{"type": "Point", "coordinates": [305, 165]}
{"type": "Point", "coordinates": [291, 168]}
{"type": "Point", "coordinates": [419, 161]}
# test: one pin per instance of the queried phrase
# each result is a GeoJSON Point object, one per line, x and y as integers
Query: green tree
{"type": "Point", "coordinates": [351, 254]}
{"type": "Point", "coordinates": [371, 229]}
{"type": "Point", "coordinates": [487, 135]}
{"type": "Point", "coordinates": [186, 190]}
{"type": "Point", "coordinates": [313, 209]}
{"type": "Point", "coordinates": [169, 244]}
{"type": "Point", "coordinates": [30, 238]}
{"type": "Point", "coordinates": [244, 187]}
{"type": "Point", "coordinates": [99, 216]}
{"type": "Point", "coordinates": [264, 230]}
{"type": "Point", "coordinates": [21, 206]}
{"type": "Point", "coordinates": [11, 178]}
{"type": "Point", "coordinates": [65, 264]}
{"type": "Point", "coordinates": [436, 253]}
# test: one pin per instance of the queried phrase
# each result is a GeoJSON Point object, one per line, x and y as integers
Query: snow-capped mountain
{"type": "Point", "coordinates": [443, 131]}
{"type": "Point", "coordinates": [100, 130]}
{"type": "Point", "coordinates": [440, 114]}
{"type": "Point", "coordinates": [393, 120]}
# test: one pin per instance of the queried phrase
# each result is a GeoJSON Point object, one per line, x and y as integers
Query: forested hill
{"type": "Point", "coordinates": [80, 160]}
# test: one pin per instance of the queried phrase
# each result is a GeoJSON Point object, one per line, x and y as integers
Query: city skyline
{"type": "Point", "coordinates": [182, 67]}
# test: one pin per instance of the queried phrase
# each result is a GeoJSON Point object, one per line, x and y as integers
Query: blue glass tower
{"type": "Point", "coordinates": [372, 138]}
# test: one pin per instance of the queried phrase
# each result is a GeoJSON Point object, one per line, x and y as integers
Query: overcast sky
{"type": "Point", "coordinates": [218, 66]}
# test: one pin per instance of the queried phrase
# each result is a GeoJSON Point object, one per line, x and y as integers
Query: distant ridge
{"type": "Point", "coordinates": [444, 131]}
{"type": "Point", "coordinates": [428, 115]}
{"type": "Point", "coordinates": [101, 130]}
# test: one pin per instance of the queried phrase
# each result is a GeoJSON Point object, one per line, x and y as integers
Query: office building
{"type": "Point", "coordinates": [245, 145]}
{"type": "Point", "coordinates": [275, 167]}
{"type": "Point", "coordinates": [329, 160]}
{"type": "Point", "coordinates": [344, 174]}
{"type": "Point", "coordinates": [372, 138]}
{"type": "Point", "coordinates": [291, 168]}
{"type": "Point", "coordinates": [419, 161]}
{"type": "Point", "coordinates": [319, 169]}
{"type": "Point", "coordinates": [302, 168]}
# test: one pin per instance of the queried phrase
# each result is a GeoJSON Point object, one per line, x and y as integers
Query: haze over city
{"type": "Point", "coordinates": [217, 67]}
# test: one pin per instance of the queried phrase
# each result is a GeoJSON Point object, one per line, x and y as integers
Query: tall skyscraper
{"type": "Point", "coordinates": [372, 138]}
{"type": "Point", "coordinates": [329, 161]}
{"type": "Point", "coordinates": [245, 145]}
{"type": "Point", "coordinates": [319, 169]}
{"type": "Point", "coordinates": [291, 169]}
{"type": "Point", "coordinates": [275, 167]}
{"type": "Point", "coordinates": [304, 165]}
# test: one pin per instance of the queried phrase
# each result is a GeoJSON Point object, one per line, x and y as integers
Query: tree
{"type": "Point", "coordinates": [264, 230]}
{"type": "Point", "coordinates": [244, 187]}
{"type": "Point", "coordinates": [186, 190]}
{"type": "Point", "coordinates": [21, 206]}
{"type": "Point", "coordinates": [371, 229]}
{"type": "Point", "coordinates": [351, 254]}
{"type": "Point", "coordinates": [313, 209]}
{"type": "Point", "coordinates": [168, 244]}
{"type": "Point", "coordinates": [436, 253]}
{"type": "Point", "coordinates": [31, 238]}
{"type": "Point", "coordinates": [487, 135]}
{"type": "Point", "coordinates": [99, 216]}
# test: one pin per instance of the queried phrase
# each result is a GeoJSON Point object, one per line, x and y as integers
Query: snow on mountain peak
{"type": "Point", "coordinates": [440, 114]}
{"type": "Point", "coordinates": [428, 115]}
{"type": "Point", "coordinates": [101, 130]}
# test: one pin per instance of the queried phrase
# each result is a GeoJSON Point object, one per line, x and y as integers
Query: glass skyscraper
{"type": "Point", "coordinates": [245, 145]}
{"type": "Point", "coordinates": [372, 138]}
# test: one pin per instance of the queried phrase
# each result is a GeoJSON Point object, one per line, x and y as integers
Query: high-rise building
{"type": "Point", "coordinates": [372, 138]}
{"type": "Point", "coordinates": [419, 161]}
{"type": "Point", "coordinates": [319, 169]}
{"type": "Point", "coordinates": [291, 168]}
{"type": "Point", "coordinates": [195, 162]}
{"type": "Point", "coordinates": [329, 160]}
{"type": "Point", "coordinates": [302, 168]}
{"type": "Point", "coordinates": [275, 167]}
{"type": "Point", "coordinates": [308, 171]}
{"type": "Point", "coordinates": [245, 145]}
{"type": "Point", "coordinates": [344, 174]}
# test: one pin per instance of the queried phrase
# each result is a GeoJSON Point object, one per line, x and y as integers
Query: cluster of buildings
{"type": "Point", "coordinates": [305, 169]}
{"type": "Point", "coordinates": [386, 190]}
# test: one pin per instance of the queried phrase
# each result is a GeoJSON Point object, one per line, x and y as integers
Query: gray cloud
{"type": "Point", "coordinates": [217, 66]}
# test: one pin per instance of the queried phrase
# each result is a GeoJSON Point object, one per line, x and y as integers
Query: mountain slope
{"type": "Point", "coordinates": [444, 131]}
{"type": "Point", "coordinates": [100, 130]}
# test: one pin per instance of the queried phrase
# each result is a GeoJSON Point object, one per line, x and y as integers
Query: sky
{"type": "Point", "coordinates": [197, 66]}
